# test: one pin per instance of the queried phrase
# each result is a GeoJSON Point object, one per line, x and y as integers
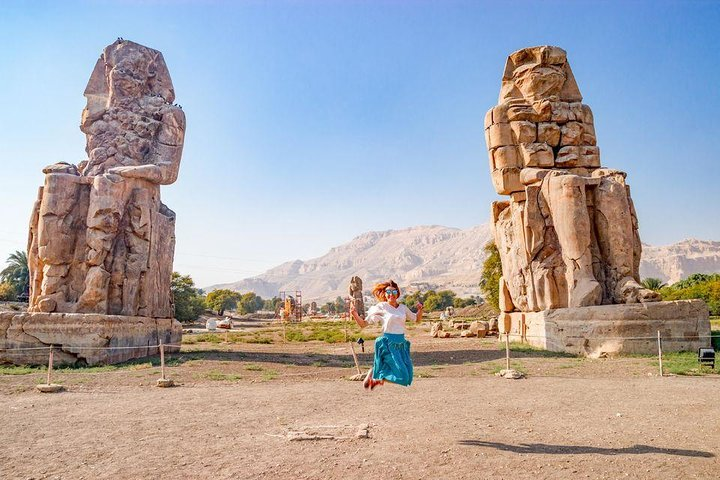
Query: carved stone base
{"type": "Point", "coordinates": [605, 330]}
{"type": "Point", "coordinates": [83, 338]}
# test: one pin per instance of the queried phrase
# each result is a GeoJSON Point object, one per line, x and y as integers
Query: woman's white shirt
{"type": "Point", "coordinates": [392, 319]}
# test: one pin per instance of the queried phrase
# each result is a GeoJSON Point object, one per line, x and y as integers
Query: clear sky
{"type": "Point", "coordinates": [310, 122]}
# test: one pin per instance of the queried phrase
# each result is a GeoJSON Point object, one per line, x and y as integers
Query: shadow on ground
{"type": "Point", "coordinates": [420, 359]}
{"type": "Point", "coordinates": [541, 448]}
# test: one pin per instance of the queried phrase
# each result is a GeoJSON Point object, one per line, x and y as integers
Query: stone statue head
{"type": "Point", "coordinates": [538, 73]}
{"type": "Point", "coordinates": [126, 71]}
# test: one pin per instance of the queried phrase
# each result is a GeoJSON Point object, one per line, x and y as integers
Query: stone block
{"type": "Point", "coordinates": [571, 134]}
{"type": "Point", "coordinates": [500, 135]}
{"type": "Point", "coordinates": [568, 157]}
{"type": "Point", "coordinates": [537, 155]}
{"type": "Point", "coordinates": [523, 132]}
{"type": "Point", "coordinates": [84, 338]}
{"type": "Point", "coordinates": [506, 180]}
{"type": "Point", "coordinates": [488, 118]}
{"type": "Point", "coordinates": [529, 113]}
{"type": "Point", "coordinates": [549, 133]}
{"type": "Point", "coordinates": [506, 157]}
{"type": "Point", "coordinates": [529, 176]}
{"type": "Point", "coordinates": [589, 156]}
{"type": "Point", "coordinates": [607, 330]}
{"type": "Point", "coordinates": [500, 114]}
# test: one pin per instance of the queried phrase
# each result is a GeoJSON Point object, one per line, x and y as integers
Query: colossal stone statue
{"type": "Point", "coordinates": [101, 241]}
{"type": "Point", "coordinates": [568, 236]}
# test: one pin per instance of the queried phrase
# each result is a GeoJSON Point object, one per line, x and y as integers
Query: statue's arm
{"type": "Point", "coordinates": [165, 158]}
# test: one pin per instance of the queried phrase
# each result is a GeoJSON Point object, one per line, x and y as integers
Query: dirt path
{"type": "Point", "coordinates": [643, 428]}
{"type": "Point", "coordinates": [237, 403]}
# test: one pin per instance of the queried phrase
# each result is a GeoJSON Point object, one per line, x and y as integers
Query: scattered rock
{"type": "Point", "coordinates": [49, 388]}
{"type": "Point", "coordinates": [512, 374]}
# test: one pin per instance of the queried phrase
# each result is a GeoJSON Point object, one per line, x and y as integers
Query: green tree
{"type": "Point", "coordinates": [221, 300]}
{"type": "Point", "coordinates": [271, 304]}
{"type": "Point", "coordinates": [329, 308]}
{"type": "Point", "coordinates": [249, 303]}
{"type": "Point", "coordinates": [413, 299]}
{"type": "Point", "coordinates": [695, 279]}
{"type": "Point", "coordinates": [340, 305]}
{"type": "Point", "coordinates": [7, 292]}
{"type": "Point", "coordinates": [653, 283]}
{"type": "Point", "coordinates": [438, 300]}
{"type": "Point", "coordinates": [189, 301]}
{"type": "Point", "coordinates": [17, 273]}
{"type": "Point", "coordinates": [463, 302]}
{"type": "Point", "coordinates": [491, 273]}
{"type": "Point", "coordinates": [702, 286]}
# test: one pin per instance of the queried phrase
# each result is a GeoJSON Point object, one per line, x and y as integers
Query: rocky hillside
{"type": "Point", "coordinates": [675, 262]}
{"type": "Point", "coordinates": [440, 258]}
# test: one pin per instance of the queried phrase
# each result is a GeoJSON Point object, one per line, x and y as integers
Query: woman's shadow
{"type": "Point", "coordinates": [580, 450]}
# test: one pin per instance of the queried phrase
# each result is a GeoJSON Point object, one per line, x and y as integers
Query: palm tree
{"type": "Point", "coordinates": [17, 272]}
{"type": "Point", "coordinates": [653, 283]}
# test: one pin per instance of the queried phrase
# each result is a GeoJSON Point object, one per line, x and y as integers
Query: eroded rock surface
{"type": "Point", "coordinates": [568, 234]}
{"type": "Point", "coordinates": [101, 241]}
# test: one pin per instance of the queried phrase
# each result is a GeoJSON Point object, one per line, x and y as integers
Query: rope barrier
{"type": "Point", "coordinates": [300, 344]}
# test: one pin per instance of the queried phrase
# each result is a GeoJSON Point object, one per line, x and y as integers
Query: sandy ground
{"type": "Point", "coordinates": [237, 405]}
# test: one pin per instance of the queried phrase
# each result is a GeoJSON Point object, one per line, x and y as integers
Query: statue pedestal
{"type": "Point", "coordinates": [83, 338]}
{"type": "Point", "coordinates": [606, 330]}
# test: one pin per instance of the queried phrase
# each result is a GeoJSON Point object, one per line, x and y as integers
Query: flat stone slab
{"type": "Point", "coordinates": [606, 330]}
{"type": "Point", "coordinates": [49, 388]}
{"type": "Point", "coordinates": [83, 338]}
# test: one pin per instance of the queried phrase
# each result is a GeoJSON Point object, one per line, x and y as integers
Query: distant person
{"type": "Point", "coordinates": [392, 361]}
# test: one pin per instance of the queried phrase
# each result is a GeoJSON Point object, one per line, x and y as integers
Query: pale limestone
{"type": "Point", "coordinates": [101, 241]}
{"type": "Point", "coordinates": [605, 330]}
{"type": "Point", "coordinates": [84, 338]}
{"type": "Point", "coordinates": [568, 237]}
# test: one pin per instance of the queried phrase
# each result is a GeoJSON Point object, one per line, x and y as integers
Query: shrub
{"type": "Point", "coordinates": [7, 292]}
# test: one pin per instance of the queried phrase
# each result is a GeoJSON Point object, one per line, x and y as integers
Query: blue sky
{"type": "Point", "coordinates": [310, 122]}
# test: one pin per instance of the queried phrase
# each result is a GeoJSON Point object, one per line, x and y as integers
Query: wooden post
{"type": "Point", "coordinates": [357, 366]}
{"type": "Point", "coordinates": [659, 341]}
{"type": "Point", "coordinates": [162, 381]}
{"type": "Point", "coordinates": [284, 331]}
{"type": "Point", "coordinates": [162, 360]}
{"type": "Point", "coordinates": [507, 350]}
{"type": "Point", "coordinates": [50, 366]}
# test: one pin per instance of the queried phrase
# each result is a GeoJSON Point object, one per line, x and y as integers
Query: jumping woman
{"type": "Point", "coordinates": [392, 361]}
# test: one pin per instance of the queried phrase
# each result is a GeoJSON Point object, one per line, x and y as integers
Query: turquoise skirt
{"type": "Point", "coordinates": [392, 359]}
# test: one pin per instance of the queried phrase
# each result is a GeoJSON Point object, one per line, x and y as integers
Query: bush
{"type": "Point", "coordinates": [189, 301]}
{"type": "Point", "coordinates": [491, 273]}
{"type": "Point", "coordinates": [7, 292]}
{"type": "Point", "coordinates": [701, 286]}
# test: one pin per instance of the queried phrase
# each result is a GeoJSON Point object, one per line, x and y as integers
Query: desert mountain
{"type": "Point", "coordinates": [437, 257]}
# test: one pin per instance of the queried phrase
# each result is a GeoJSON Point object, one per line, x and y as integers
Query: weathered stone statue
{"type": "Point", "coordinates": [356, 295]}
{"type": "Point", "coordinates": [568, 235]}
{"type": "Point", "coordinates": [101, 241]}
